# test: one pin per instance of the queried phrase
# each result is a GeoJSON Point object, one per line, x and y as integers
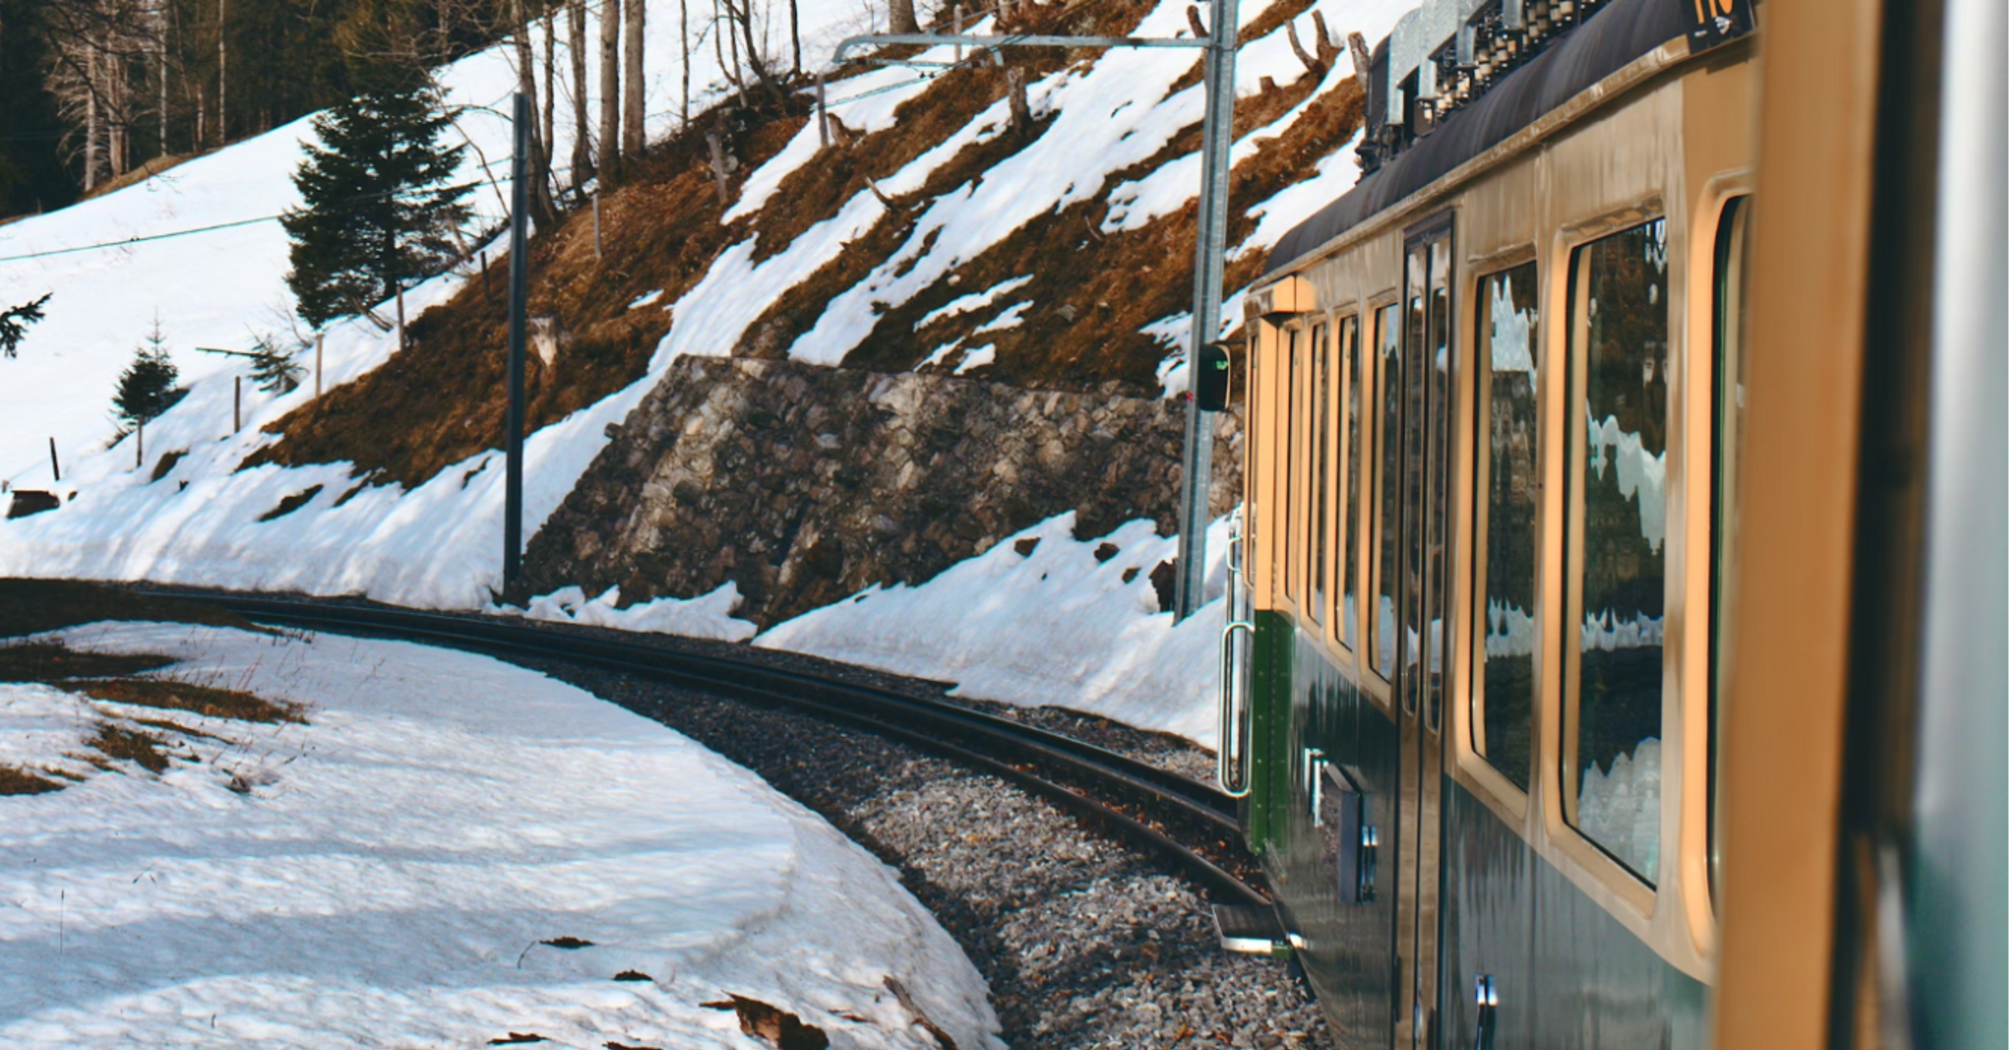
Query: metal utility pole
{"type": "Point", "coordinates": [1217, 135]}
{"type": "Point", "coordinates": [1210, 246]}
{"type": "Point", "coordinates": [519, 277]}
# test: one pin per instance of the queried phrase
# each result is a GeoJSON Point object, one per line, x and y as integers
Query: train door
{"type": "Point", "coordinates": [1423, 593]}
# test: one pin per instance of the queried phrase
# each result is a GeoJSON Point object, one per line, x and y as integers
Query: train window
{"type": "Point", "coordinates": [1319, 427]}
{"type": "Point", "coordinates": [1508, 424]}
{"type": "Point", "coordinates": [1734, 247]}
{"type": "Point", "coordinates": [1350, 468]}
{"type": "Point", "coordinates": [1287, 473]}
{"type": "Point", "coordinates": [1410, 558]}
{"type": "Point", "coordinates": [1612, 716]}
{"type": "Point", "coordinates": [1388, 473]}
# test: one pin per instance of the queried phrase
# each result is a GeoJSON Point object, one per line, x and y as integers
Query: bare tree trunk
{"type": "Point", "coordinates": [443, 33]}
{"type": "Point", "coordinates": [222, 77]}
{"type": "Point", "coordinates": [90, 119]}
{"type": "Point", "coordinates": [610, 90]}
{"type": "Point", "coordinates": [163, 114]}
{"type": "Point", "coordinates": [796, 40]}
{"type": "Point", "coordinates": [632, 103]}
{"type": "Point", "coordinates": [550, 85]}
{"type": "Point", "coordinates": [900, 17]}
{"type": "Point", "coordinates": [684, 38]}
{"type": "Point", "coordinates": [720, 42]}
{"type": "Point", "coordinates": [201, 121]}
{"type": "Point", "coordinates": [582, 140]}
{"type": "Point", "coordinates": [743, 13]}
{"type": "Point", "coordinates": [541, 210]}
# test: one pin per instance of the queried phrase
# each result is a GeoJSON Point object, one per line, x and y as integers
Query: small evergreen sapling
{"type": "Point", "coordinates": [147, 386]}
{"type": "Point", "coordinates": [380, 211]}
{"type": "Point", "coordinates": [273, 367]}
{"type": "Point", "coordinates": [14, 322]}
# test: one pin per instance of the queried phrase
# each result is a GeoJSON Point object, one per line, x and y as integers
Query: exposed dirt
{"type": "Point", "coordinates": [169, 695]}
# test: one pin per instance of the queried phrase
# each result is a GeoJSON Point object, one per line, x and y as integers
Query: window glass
{"type": "Point", "coordinates": [1388, 473]}
{"type": "Point", "coordinates": [1287, 474]}
{"type": "Point", "coordinates": [1321, 429]}
{"type": "Point", "coordinates": [1733, 368]}
{"type": "Point", "coordinates": [1612, 770]}
{"type": "Point", "coordinates": [1350, 466]}
{"type": "Point", "coordinates": [1410, 606]}
{"type": "Point", "coordinates": [1506, 338]}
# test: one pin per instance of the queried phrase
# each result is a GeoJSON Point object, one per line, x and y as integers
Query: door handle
{"type": "Point", "coordinates": [1487, 999]}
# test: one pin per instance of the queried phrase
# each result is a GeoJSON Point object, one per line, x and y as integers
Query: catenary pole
{"type": "Point", "coordinates": [519, 275]}
{"type": "Point", "coordinates": [1210, 246]}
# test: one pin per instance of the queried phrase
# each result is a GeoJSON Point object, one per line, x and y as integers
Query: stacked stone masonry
{"type": "Point", "coordinates": [805, 484]}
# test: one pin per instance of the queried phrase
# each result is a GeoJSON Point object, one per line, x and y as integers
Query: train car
{"type": "Point", "coordinates": [1577, 614]}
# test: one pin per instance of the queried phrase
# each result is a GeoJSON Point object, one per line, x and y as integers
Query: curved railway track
{"type": "Point", "coordinates": [1131, 800]}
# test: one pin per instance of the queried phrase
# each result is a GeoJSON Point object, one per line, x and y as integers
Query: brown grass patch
{"type": "Point", "coordinates": [126, 745]}
{"type": "Point", "coordinates": [167, 463]}
{"type": "Point", "coordinates": [33, 606]}
{"type": "Point", "coordinates": [46, 663]}
{"type": "Point", "coordinates": [1095, 291]}
{"type": "Point", "coordinates": [14, 781]}
{"type": "Point", "coordinates": [171, 695]}
{"type": "Point", "coordinates": [289, 504]}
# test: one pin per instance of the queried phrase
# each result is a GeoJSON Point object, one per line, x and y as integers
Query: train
{"type": "Point", "coordinates": [1610, 657]}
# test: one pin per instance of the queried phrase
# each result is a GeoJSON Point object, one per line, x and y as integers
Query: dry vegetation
{"type": "Point", "coordinates": [33, 606]}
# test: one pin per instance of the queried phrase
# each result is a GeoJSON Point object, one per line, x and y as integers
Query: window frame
{"type": "Point", "coordinates": [1496, 788]}
{"type": "Point", "coordinates": [1387, 303]}
{"type": "Point", "coordinates": [1345, 471]}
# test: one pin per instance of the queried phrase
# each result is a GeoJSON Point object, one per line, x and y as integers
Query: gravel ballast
{"type": "Point", "coordinates": [1085, 943]}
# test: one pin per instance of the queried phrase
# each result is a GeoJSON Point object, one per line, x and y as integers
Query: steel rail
{"type": "Point", "coordinates": [969, 737]}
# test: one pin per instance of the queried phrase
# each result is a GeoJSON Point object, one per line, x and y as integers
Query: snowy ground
{"type": "Point", "coordinates": [388, 879]}
{"type": "Point", "coordinates": [214, 277]}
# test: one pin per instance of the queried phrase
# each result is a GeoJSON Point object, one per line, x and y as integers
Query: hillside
{"type": "Point", "coordinates": [933, 235]}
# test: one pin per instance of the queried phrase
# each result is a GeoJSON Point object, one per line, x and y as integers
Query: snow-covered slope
{"type": "Point", "coordinates": [387, 874]}
{"type": "Point", "coordinates": [438, 545]}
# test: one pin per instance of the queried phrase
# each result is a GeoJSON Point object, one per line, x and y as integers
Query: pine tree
{"type": "Point", "coordinates": [380, 207]}
{"type": "Point", "coordinates": [147, 386]}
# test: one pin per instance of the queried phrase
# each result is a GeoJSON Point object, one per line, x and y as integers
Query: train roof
{"type": "Point", "coordinates": [1608, 40]}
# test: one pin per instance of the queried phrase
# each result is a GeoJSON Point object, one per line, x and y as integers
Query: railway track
{"type": "Point", "coordinates": [1128, 799]}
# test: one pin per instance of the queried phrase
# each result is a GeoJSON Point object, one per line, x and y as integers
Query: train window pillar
{"type": "Point", "coordinates": [1289, 490]}
{"type": "Point", "coordinates": [1506, 339]}
{"type": "Point", "coordinates": [1319, 428]}
{"type": "Point", "coordinates": [1612, 652]}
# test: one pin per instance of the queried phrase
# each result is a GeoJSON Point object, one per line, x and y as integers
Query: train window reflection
{"type": "Point", "coordinates": [1320, 427]}
{"type": "Point", "coordinates": [1612, 718]}
{"type": "Point", "coordinates": [1733, 367]}
{"type": "Point", "coordinates": [1388, 474]}
{"type": "Point", "coordinates": [1350, 466]}
{"type": "Point", "coordinates": [1508, 424]}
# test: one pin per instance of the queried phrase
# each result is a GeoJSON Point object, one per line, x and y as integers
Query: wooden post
{"type": "Point", "coordinates": [956, 27]}
{"type": "Point", "coordinates": [139, 443]}
{"type": "Point", "coordinates": [236, 403]}
{"type": "Point", "coordinates": [55, 467]}
{"type": "Point", "coordinates": [486, 297]}
{"type": "Point", "coordinates": [401, 317]}
{"type": "Point", "coordinates": [317, 365]}
{"type": "Point", "coordinates": [596, 222]}
{"type": "Point", "coordinates": [823, 117]}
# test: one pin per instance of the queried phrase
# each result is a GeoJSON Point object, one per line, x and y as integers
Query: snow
{"type": "Point", "coordinates": [974, 301]}
{"type": "Point", "coordinates": [388, 876]}
{"type": "Point", "coordinates": [706, 616]}
{"type": "Point", "coordinates": [1011, 318]}
{"type": "Point", "coordinates": [1620, 808]}
{"type": "Point", "coordinates": [977, 358]}
{"type": "Point", "coordinates": [1052, 627]}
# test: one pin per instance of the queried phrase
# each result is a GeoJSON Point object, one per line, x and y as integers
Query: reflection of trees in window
{"type": "Point", "coordinates": [1389, 468]}
{"type": "Point", "coordinates": [1350, 346]}
{"type": "Point", "coordinates": [1623, 289]}
{"type": "Point", "coordinates": [1507, 352]}
{"type": "Point", "coordinates": [1322, 412]}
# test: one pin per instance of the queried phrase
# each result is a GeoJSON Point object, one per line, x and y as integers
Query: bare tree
{"type": "Point", "coordinates": [795, 41]}
{"type": "Point", "coordinates": [684, 38]}
{"type": "Point", "coordinates": [610, 90]}
{"type": "Point", "coordinates": [582, 146]}
{"type": "Point", "coordinates": [632, 103]}
{"type": "Point", "coordinates": [222, 74]}
{"type": "Point", "coordinates": [550, 81]}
